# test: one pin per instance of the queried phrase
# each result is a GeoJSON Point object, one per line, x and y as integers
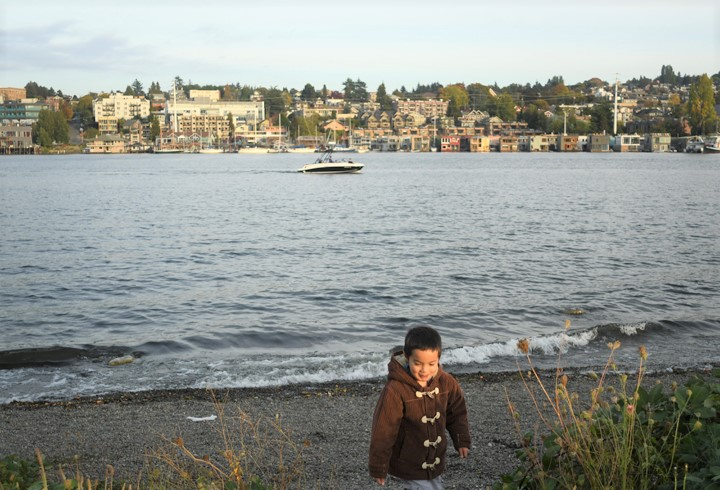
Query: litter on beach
{"type": "Point", "coordinates": [202, 419]}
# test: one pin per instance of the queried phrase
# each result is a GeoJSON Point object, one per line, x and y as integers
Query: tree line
{"type": "Point", "coordinates": [515, 102]}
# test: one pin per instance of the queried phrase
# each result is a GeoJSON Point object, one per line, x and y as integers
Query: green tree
{"type": "Point", "coordinates": [42, 138]}
{"type": "Point", "coordinates": [667, 75]}
{"type": "Point", "coordinates": [457, 98]}
{"type": "Point", "coordinates": [52, 127]}
{"type": "Point", "coordinates": [308, 93]}
{"type": "Point", "coordinates": [33, 90]}
{"type": "Point", "coordinates": [701, 106]}
{"type": "Point", "coordinates": [383, 98]}
{"type": "Point", "coordinates": [231, 123]}
{"type": "Point", "coordinates": [535, 117]}
{"type": "Point", "coordinates": [601, 118]}
{"type": "Point", "coordinates": [503, 106]}
{"type": "Point", "coordinates": [479, 96]}
{"type": "Point", "coordinates": [128, 90]}
{"type": "Point", "coordinates": [137, 88]}
{"type": "Point", "coordinates": [154, 129]}
{"type": "Point", "coordinates": [355, 91]}
{"type": "Point", "coordinates": [84, 111]}
{"type": "Point", "coordinates": [274, 100]}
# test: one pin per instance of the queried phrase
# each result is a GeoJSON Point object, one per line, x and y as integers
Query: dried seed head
{"type": "Point", "coordinates": [524, 345]}
{"type": "Point", "coordinates": [643, 353]}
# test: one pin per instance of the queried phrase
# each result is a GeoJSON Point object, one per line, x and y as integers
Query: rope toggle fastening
{"type": "Point", "coordinates": [430, 393]}
{"type": "Point", "coordinates": [432, 420]}
{"type": "Point", "coordinates": [433, 444]}
{"type": "Point", "coordinates": [431, 466]}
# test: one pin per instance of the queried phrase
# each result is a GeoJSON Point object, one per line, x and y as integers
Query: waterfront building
{"type": "Point", "coordinates": [508, 144]}
{"type": "Point", "coordinates": [626, 143]}
{"type": "Point", "coordinates": [567, 142]}
{"type": "Point", "coordinates": [16, 140]}
{"type": "Point", "coordinates": [598, 143]}
{"type": "Point", "coordinates": [475, 144]}
{"type": "Point", "coordinates": [656, 142]}
{"type": "Point", "coordinates": [107, 143]}
{"type": "Point", "coordinates": [540, 142]}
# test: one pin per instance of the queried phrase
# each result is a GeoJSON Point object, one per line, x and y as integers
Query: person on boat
{"type": "Point", "coordinates": [419, 405]}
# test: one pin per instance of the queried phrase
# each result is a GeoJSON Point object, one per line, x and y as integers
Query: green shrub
{"type": "Point", "coordinates": [616, 439]}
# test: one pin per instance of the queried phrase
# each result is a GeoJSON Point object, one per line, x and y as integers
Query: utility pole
{"type": "Point", "coordinates": [615, 111]}
{"type": "Point", "coordinates": [175, 121]}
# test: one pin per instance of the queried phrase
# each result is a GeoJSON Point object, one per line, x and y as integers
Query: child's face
{"type": "Point", "coordinates": [423, 365]}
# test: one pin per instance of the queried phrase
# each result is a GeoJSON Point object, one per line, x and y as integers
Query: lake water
{"type": "Point", "coordinates": [234, 270]}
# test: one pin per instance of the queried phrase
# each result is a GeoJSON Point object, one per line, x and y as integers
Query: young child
{"type": "Point", "coordinates": [419, 402]}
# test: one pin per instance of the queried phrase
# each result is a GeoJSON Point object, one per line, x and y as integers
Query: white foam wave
{"type": "Point", "coordinates": [294, 375]}
{"type": "Point", "coordinates": [483, 354]}
{"type": "Point", "coordinates": [633, 328]}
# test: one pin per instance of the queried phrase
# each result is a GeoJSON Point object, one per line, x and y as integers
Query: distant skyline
{"type": "Point", "coordinates": [90, 46]}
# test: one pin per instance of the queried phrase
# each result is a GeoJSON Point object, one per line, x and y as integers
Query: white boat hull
{"type": "Point", "coordinates": [332, 168]}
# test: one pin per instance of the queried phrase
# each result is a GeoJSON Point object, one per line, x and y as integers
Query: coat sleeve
{"type": "Point", "coordinates": [385, 427]}
{"type": "Point", "coordinates": [457, 420]}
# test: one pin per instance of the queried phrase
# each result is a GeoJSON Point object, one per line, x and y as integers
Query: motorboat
{"type": "Point", "coordinates": [327, 165]}
{"type": "Point", "coordinates": [712, 144]}
{"type": "Point", "coordinates": [695, 145]}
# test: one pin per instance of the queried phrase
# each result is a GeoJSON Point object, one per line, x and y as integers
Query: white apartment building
{"type": "Point", "coordinates": [118, 106]}
{"type": "Point", "coordinates": [427, 107]}
{"type": "Point", "coordinates": [244, 112]}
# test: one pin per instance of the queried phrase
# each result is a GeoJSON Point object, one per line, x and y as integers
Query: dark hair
{"type": "Point", "coordinates": [423, 338]}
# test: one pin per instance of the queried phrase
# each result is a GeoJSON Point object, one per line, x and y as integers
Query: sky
{"type": "Point", "coordinates": [84, 46]}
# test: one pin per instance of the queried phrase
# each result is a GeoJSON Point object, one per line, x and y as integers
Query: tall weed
{"type": "Point", "coordinates": [622, 436]}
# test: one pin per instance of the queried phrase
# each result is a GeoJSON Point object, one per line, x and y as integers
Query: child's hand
{"type": "Point", "coordinates": [380, 481]}
{"type": "Point", "coordinates": [463, 452]}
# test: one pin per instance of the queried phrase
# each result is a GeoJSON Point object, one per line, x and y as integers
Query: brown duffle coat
{"type": "Point", "coordinates": [409, 438]}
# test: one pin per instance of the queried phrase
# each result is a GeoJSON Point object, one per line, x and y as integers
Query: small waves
{"type": "Point", "coordinates": [55, 356]}
{"type": "Point", "coordinates": [64, 372]}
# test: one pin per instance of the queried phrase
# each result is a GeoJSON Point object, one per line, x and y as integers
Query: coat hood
{"type": "Point", "coordinates": [398, 371]}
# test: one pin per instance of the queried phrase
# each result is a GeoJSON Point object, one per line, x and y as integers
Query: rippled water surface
{"type": "Point", "coordinates": [235, 270]}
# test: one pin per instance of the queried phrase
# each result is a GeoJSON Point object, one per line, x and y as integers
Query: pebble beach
{"type": "Point", "coordinates": [330, 423]}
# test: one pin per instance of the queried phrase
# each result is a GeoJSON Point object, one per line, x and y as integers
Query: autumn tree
{"type": "Point", "coordinates": [701, 106]}
{"type": "Point", "coordinates": [457, 98]}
